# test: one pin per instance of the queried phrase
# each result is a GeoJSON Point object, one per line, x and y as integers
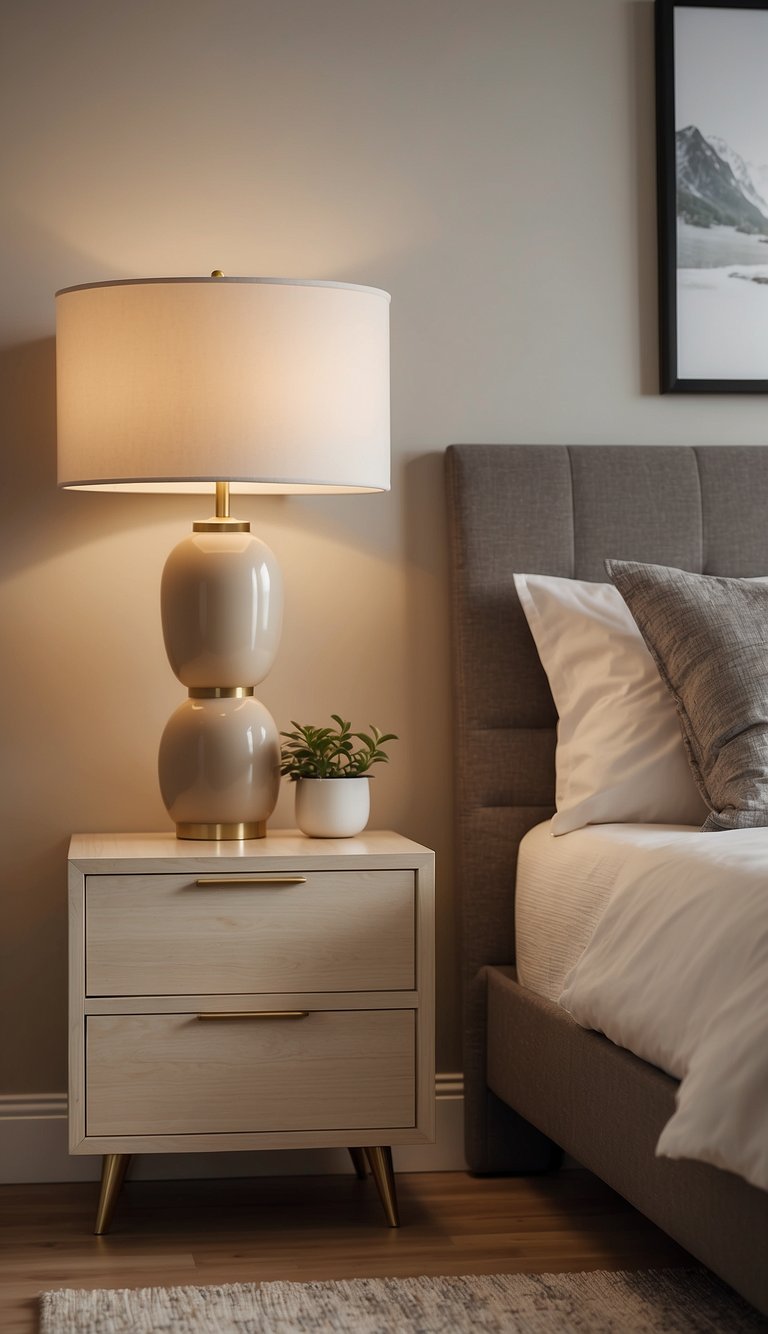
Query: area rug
{"type": "Point", "coordinates": [663, 1301]}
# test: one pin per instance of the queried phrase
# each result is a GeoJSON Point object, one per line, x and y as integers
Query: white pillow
{"type": "Point", "coordinates": [620, 756]}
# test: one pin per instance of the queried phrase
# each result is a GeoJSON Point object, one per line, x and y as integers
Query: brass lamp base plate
{"type": "Point", "coordinates": [216, 832]}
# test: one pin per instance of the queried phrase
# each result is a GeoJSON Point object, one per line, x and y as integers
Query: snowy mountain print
{"type": "Point", "coordinates": [721, 257]}
{"type": "Point", "coordinates": [715, 186]}
{"type": "Point", "coordinates": [753, 180]}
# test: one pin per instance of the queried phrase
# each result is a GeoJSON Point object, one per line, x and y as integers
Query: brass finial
{"type": "Point", "coordinates": [217, 273]}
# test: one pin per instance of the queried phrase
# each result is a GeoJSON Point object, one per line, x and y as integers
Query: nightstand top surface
{"type": "Point", "coordinates": [163, 851]}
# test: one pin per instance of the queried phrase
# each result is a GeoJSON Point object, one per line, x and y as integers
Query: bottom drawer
{"type": "Point", "coordinates": [176, 1074]}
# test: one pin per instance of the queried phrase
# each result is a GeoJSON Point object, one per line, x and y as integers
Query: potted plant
{"type": "Point", "coordinates": [329, 766]}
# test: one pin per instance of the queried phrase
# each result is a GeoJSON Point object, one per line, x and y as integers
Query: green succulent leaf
{"type": "Point", "coordinates": [329, 752]}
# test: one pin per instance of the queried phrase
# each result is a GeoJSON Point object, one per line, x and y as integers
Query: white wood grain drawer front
{"type": "Point", "coordinates": [178, 1074]}
{"type": "Point", "coordinates": [168, 935]}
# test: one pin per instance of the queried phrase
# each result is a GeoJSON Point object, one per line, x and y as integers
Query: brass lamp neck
{"type": "Point", "coordinates": [221, 521]}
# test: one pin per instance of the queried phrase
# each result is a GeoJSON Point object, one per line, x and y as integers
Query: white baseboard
{"type": "Point", "coordinates": [33, 1147]}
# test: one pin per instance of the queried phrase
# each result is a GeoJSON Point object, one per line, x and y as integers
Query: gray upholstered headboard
{"type": "Point", "coordinates": [554, 510]}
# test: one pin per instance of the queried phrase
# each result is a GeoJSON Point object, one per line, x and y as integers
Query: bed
{"type": "Point", "coordinates": [537, 1084]}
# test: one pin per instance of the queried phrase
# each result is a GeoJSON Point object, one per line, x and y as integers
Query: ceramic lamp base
{"type": "Point", "coordinates": [221, 602]}
{"type": "Point", "coordinates": [219, 768]}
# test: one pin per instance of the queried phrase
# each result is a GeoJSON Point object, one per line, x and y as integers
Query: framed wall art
{"type": "Point", "coordinates": [712, 145]}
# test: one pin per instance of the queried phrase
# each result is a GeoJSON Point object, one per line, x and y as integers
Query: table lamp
{"type": "Point", "coordinates": [253, 385]}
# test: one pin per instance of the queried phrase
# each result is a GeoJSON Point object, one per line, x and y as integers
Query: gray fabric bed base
{"type": "Point", "coordinates": [607, 1109]}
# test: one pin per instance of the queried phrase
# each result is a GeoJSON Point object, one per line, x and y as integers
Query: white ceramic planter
{"type": "Point", "coordinates": [332, 807]}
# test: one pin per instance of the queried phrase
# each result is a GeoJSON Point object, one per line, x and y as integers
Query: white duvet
{"type": "Point", "coordinates": [677, 972]}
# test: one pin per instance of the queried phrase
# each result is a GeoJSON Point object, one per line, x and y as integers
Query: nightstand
{"type": "Point", "coordinates": [268, 994]}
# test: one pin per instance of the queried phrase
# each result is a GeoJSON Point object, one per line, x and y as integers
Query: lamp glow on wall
{"type": "Point", "coordinates": [255, 385]}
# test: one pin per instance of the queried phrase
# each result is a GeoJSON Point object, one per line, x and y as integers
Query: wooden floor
{"type": "Point", "coordinates": [198, 1232]}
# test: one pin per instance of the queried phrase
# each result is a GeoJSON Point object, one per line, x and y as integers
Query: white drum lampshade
{"type": "Point", "coordinates": [257, 385]}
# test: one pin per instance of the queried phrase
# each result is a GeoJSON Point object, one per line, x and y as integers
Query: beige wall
{"type": "Point", "coordinates": [490, 163]}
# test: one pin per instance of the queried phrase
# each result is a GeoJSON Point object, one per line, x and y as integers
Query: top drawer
{"type": "Point", "coordinates": [172, 935]}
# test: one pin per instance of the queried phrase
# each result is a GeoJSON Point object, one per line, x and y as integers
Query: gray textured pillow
{"type": "Point", "coordinates": [709, 639]}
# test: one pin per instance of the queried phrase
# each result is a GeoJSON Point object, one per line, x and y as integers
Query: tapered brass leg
{"type": "Point", "coordinates": [380, 1163]}
{"type": "Point", "coordinates": [358, 1159]}
{"type": "Point", "coordinates": [113, 1170]}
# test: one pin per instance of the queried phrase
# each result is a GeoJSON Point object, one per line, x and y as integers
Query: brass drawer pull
{"type": "Point", "coordinates": [209, 880]}
{"type": "Point", "coordinates": [255, 1014]}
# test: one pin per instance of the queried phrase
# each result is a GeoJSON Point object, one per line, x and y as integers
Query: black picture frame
{"type": "Point", "coordinates": [681, 369]}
